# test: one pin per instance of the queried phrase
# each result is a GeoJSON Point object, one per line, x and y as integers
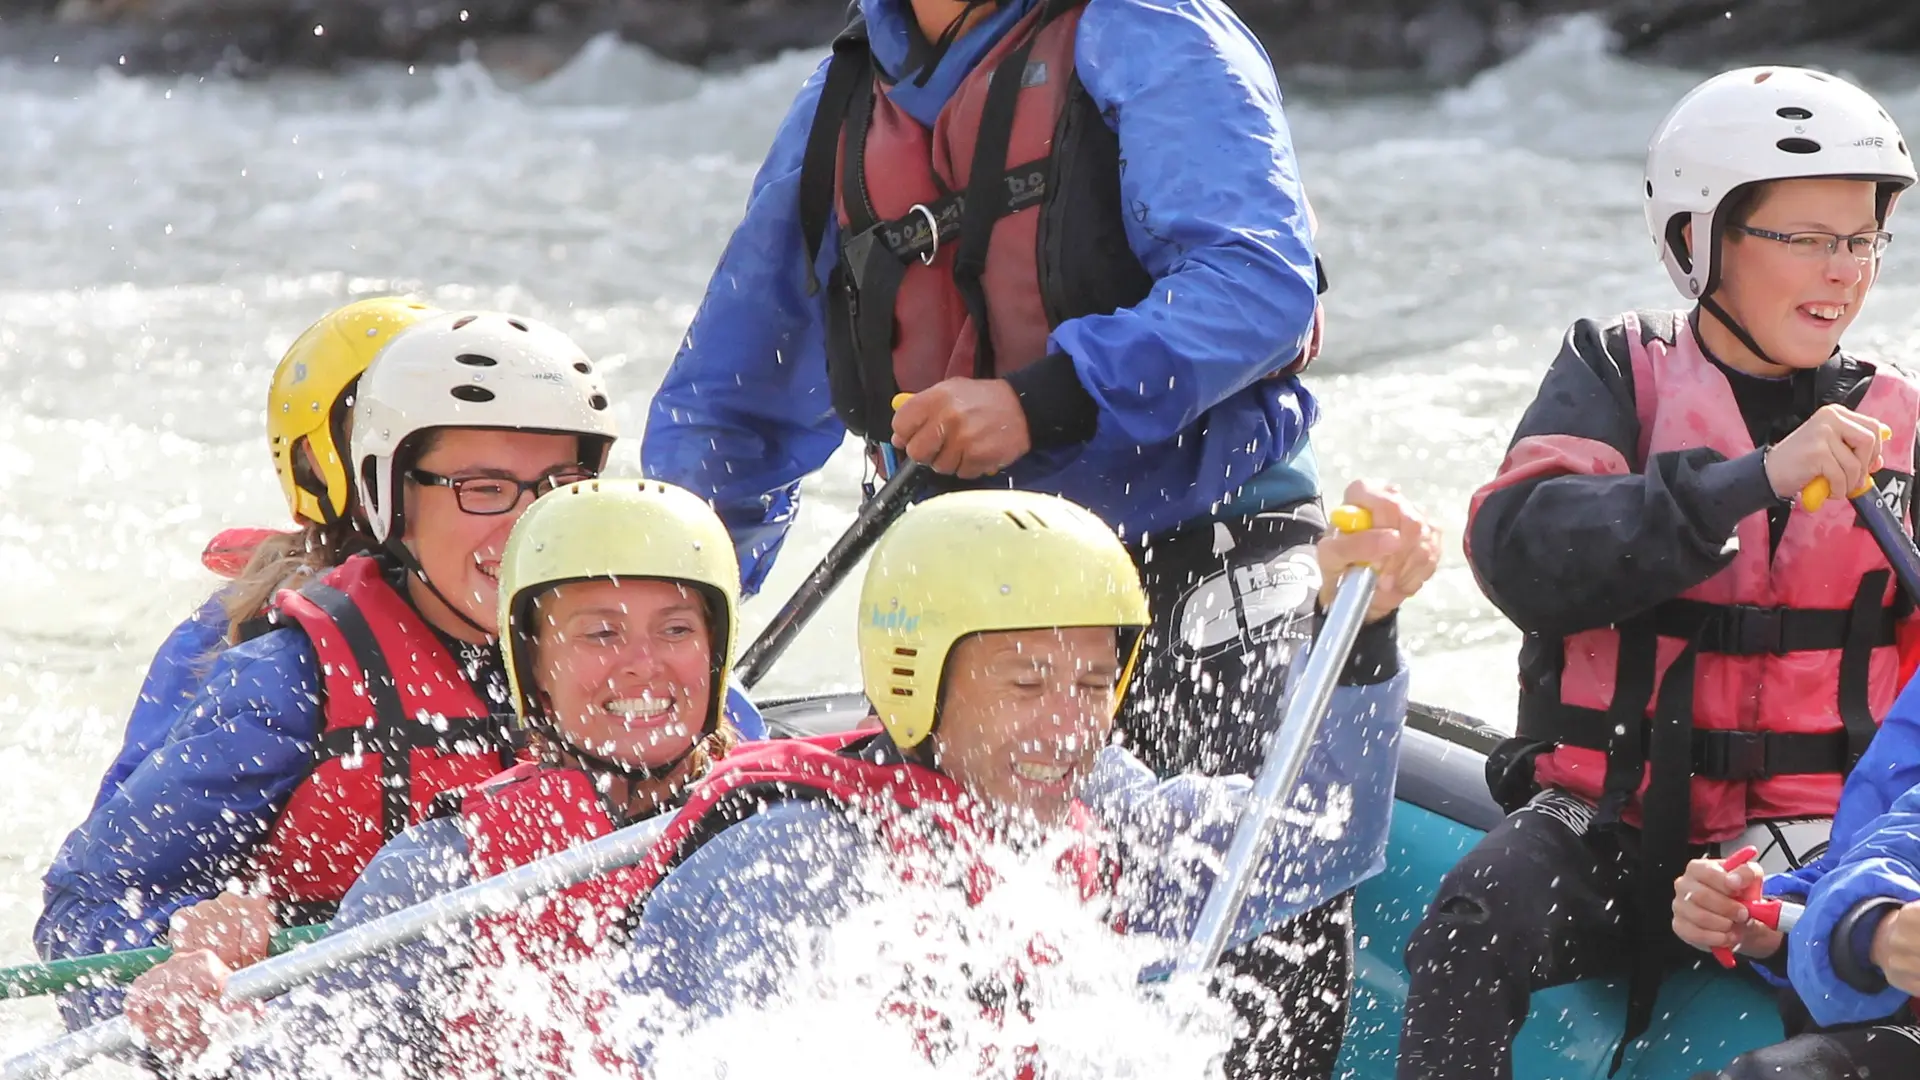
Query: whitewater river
{"type": "Point", "coordinates": [161, 242]}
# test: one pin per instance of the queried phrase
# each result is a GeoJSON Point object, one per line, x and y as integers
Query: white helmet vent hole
{"type": "Point", "coordinates": [1793, 112]}
{"type": "Point", "coordinates": [1798, 146]}
{"type": "Point", "coordinates": [476, 394]}
{"type": "Point", "coordinates": [583, 367]}
{"type": "Point", "coordinates": [598, 402]}
{"type": "Point", "coordinates": [475, 360]}
{"type": "Point", "coordinates": [462, 321]}
{"type": "Point", "coordinates": [517, 324]}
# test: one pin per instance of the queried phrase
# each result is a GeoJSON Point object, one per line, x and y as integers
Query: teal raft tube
{"type": "Point", "coordinates": [1706, 1016]}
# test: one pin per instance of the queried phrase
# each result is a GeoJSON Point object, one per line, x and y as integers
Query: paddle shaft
{"type": "Point", "coordinates": [1286, 756]}
{"type": "Point", "coordinates": [1894, 542]}
{"type": "Point", "coordinates": [333, 952]}
{"type": "Point", "coordinates": [113, 969]}
{"type": "Point", "coordinates": [879, 512]}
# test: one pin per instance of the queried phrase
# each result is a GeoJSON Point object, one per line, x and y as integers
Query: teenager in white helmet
{"type": "Point", "coordinates": [308, 404]}
{"type": "Point", "coordinates": [1705, 657]}
{"type": "Point", "coordinates": [619, 603]}
{"type": "Point", "coordinates": [311, 745]}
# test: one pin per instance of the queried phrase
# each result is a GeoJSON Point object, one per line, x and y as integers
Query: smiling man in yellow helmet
{"type": "Point", "coordinates": [997, 633]}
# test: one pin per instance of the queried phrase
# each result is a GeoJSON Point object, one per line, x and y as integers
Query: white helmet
{"type": "Point", "coordinates": [471, 370]}
{"type": "Point", "coordinates": [1753, 125]}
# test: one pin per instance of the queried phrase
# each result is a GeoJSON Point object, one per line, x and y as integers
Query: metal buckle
{"type": "Point", "coordinates": [933, 232]}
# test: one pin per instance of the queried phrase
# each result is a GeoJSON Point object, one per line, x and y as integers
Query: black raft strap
{"type": "Point", "coordinates": [390, 723]}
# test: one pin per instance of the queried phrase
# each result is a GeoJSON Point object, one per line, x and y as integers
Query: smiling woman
{"type": "Point", "coordinates": [313, 744]}
{"type": "Point", "coordinates": [618, 609]}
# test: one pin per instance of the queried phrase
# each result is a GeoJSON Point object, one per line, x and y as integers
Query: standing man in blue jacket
{"type": "Point", "coordinates": [1095, 280]}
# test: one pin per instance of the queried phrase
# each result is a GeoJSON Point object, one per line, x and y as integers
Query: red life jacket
{"type": "Point", "coordinates": [403, 726]}
{"type": "Point", "coordinates": [1789, 658]}
{"type": "Point", "coordinates": [533, 811]}
{"type": "Point", "coordinates": [963, 246]}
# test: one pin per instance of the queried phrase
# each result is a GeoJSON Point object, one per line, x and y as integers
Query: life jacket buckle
{"type": "Point", "coordinates": [1731, 755]}
{"type": "Point", "coordinates": [1757, 631]}
{"type": "Point", "coordinates": [933, 232]}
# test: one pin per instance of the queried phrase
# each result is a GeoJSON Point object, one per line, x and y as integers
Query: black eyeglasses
{"type": "Point", "coordinates": [489, 495]}
{"type": "Point", "coordinates": [1822, 245]}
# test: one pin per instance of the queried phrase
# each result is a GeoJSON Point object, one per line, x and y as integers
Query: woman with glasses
{"type": "Point", "coordinates": [381, 689]}
{"type": "Point", "coordinates": [1706, 652]}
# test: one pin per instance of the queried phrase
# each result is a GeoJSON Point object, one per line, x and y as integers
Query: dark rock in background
{"type": "Point", "coordinates": [1440, 40]}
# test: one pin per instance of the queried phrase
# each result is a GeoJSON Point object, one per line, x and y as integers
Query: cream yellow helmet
{"type": "Point", "coordinates": [616, 528]}
{"type": "Point", "coordinates": [303, 402]}
{"type": "Point", "coordinates": [972, 562]}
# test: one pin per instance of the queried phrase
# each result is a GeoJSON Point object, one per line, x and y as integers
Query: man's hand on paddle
{"type": "Point", "coordinates": [1402, 547]}
{"type": "Point", "coordinates": [175, 1007]}
{"type": "Point", "coordinates": [238, 929]}
{"type": "Point", "coordinates": [1710, 909]}
{"type": "Point", "coordinates": [967, 428]}
{"type": "Point", "coordinates": [1835, 442]}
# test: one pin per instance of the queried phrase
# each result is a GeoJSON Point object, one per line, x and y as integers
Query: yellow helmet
{"type": "Point", "coordinates": [977, 561]}
{"type": "Point", "coordinates": [616, 528]}
{"type": "Point", "coordinates": [303, 402]}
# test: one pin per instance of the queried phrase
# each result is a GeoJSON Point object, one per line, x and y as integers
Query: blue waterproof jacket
{"type": "Point", "coordinates": [1188, 424]}
{"type": "Point", "coordinates": [174, 678]}
{"type": "Point", "coordinates": [187, 817]}
{"type": "Point", "coordinates": [1874, 854]}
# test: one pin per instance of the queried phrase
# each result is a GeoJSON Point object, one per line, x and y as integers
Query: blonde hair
{"type": "Point", "coordinates": [287, 562]}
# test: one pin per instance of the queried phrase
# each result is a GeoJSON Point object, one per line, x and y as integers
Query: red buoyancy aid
{"type": "Point", "coordinates": [954, 254]}
{"type": "Point", "coordinates": [533, 811]}
{"type": "Point", "coordinates": [1748, 697]}
{"type": "Point", "coordinates": [402, 726]}
{"type": "Point", "coordinates": [1791, 656]}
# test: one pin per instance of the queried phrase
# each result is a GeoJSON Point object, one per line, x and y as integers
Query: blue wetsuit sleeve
{"type": "Point", "coordinates": [1216, 214]}
{"type": "Point", "coordinates": [1174, 832]}
{"type": "Point", "coordinates": [184, 821]}
{"type": "Point", "coordinates": [381, 1015]}
{"type": "Point", "coordinates": [728, 926]}
{"type": "Point", "coordinates": [745, 409]}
